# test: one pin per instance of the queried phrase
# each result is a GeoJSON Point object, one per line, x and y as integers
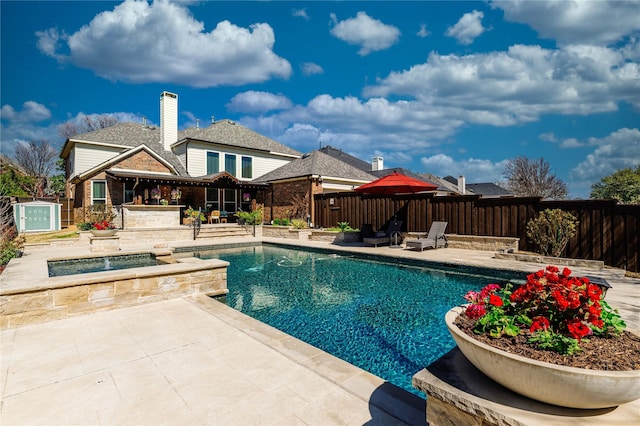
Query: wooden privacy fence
{"type": "Point", "coordinates": [606, 230]}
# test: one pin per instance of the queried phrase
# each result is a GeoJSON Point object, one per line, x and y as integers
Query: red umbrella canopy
{"type": "Point", "coordinates": [395, 183]}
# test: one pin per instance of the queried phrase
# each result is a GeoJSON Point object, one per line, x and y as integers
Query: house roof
{"type": "Point", "coordinates": [316, 163]}
{"type": "Point", "coordinates": [224, 132]}
{"type": "Point", "coordinates": [443, 184]}
{"type": "Point", "coordinates": [339, 154]}
{"type": "Point", "coordinates": [222, 179]}
{"type": "Point", "coordinates": [485, 189]}
{"type": "Point", "coordinates": [227, 132]}
{"type": "Point", "coordinates": [126, 136]}
{"type": "Point", "coordinates": [488, 190]}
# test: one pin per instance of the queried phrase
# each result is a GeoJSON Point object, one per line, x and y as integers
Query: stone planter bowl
{"type": "Point", "coordinates": [103, 232]}
{"type": "Point", "coordinates": [546, 382]}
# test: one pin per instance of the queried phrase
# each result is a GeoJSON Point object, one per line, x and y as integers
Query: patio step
{"type": "Point", "coordinates": [222, 230]}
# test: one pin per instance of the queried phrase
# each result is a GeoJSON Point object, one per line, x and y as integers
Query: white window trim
{"type": "Point", "coordinates": [105, 190]}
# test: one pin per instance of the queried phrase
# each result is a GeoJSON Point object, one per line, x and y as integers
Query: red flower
{"type": "Point", "coordinates": [539, 323]}
{"type": "Point", "coordinates": [475, 311]}
{"type": "Point", "coordinates": [495, 300]}
{"type": "Point", "coordinates": [578, 329]}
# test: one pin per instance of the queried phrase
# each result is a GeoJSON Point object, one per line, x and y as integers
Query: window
{"type": "Point", "coordinates": [213, 163]}
{"type": "Point", "coordinates": [99, 192]}
{"type": "Point", "coordinates": [230, 164]}
{"type": "Point", "coordinates": [128, 192]}
{"type": "Point", "coordinates": [213, 200]}
{"type": "Point", "coordinates": [230, 200]}
{"type": "Point", "coordinates": [247, 167]}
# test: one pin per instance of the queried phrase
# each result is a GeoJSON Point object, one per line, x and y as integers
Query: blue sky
{"type": "Point", "coordinates": [449, 88]}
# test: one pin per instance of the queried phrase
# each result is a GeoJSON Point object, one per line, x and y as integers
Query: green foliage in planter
{"type": "Point", "coordinates": [250, 218]}
{"type": "Point", "coordinates": [344, 226]}
{"type": "Point", "coordinates": [551, 231]}
{"type": "Point", "coordinates": [298, 224]}
{"type": "Point", "coordinates": [84, 226]}
{"type": "Point", "coordinates": [281, 222]}
{"type": "Point", "coordinates": [10, 246]}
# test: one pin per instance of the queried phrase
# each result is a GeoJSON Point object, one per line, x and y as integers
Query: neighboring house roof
{"type": "Point", "coordinates": [488, 190]}
{"type": "Point", "coordinates": [485, 189]}
{"type": "Point", "coordinates": [384, 172]}
{"type": "Point", "coordinates": [349, 159]}
{"type": "Point", "coordinates": [126, 136]}
{"type": "Point", "coordinates": [316, 163]}
{"type": "Point", "coordinates": [227, 132]}
{"type": "Point", "coordinates": [443, 184]}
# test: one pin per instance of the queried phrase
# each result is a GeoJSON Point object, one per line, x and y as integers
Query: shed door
{"type": "Point", "coordinates": [36, 218]}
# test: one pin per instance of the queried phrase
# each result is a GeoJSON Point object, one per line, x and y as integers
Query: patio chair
{"type": "Point", "coordinates": [214, 216]}
{"type": "Point", "coordinates": [384, 237]}
{"type": "Point", "coordinates": [434, 239]}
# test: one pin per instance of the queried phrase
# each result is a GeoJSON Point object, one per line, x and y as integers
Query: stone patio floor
{"type": "Point", "coordinates": [195, 361]}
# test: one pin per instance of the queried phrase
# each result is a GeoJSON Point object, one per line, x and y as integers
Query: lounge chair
{"type": "Point", "coordinates": [434, 239]}
{"type": "Point", "coordinates": [385, 236]}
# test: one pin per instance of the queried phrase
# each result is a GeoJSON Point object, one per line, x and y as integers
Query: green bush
{"type": "Point", "coordinates": [299, 224]}
{"type": "Point", "coordinates": [551, 231]}
{"type": "Point", "coordinates": [10, 247]}
{"type": "Point", "coordinates": [282, 222]}
{"type": "Point", "coordinates": [250, 218]}
{"type": "Point", "coordinates": [344, 226]}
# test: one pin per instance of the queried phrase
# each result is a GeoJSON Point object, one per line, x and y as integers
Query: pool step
{"type": "Point", "coordinates": [222, 230]}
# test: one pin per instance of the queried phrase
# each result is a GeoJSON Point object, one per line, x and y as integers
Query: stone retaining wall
{"type": "Point", "coordinates": [71, 295]}
{"type": "Point", "coordinates": [335, 237]}
{"type": "Point", "coordinates": [285, 232]}
{"type": "Point", "coordinates": [558, 261]}
{"type": "Point", "coordinates": [479, 242]}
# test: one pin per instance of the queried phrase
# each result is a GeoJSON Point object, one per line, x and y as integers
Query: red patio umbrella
{"type": "Point", "coordinates": [395, 183]}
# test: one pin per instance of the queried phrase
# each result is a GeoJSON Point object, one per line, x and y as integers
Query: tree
{"type": "Point", "coordinates": [622, 185]}
{"type": "Point", "coordinates": [88, 123]}
{"type": "Point", "coordinates": [533, 178]}
{"type": "Point", "coordinates": [37, 160]}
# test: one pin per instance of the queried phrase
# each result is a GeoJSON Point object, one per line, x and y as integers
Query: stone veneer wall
{"type": "Point", "coordinates": [146, 216]}
{"type": "Point", "coordinates": [479, 242]}
{"type": "Point", "coordinates": [335, 237]}
{"type": "Point", "coordinates": [88, 293]}
{"type": "Point", "coordinates": [285, 232]}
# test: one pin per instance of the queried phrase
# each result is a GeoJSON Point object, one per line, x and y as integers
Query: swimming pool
{"type": "Point", "coordinates": [386, 317]}
{"type": "Point", "coordinates": [85, 265]}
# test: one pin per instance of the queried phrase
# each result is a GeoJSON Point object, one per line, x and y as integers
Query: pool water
{"type": "Point", "coordinates": [384, 317]}
{"type": "Point", "coordinates": [59, 268]}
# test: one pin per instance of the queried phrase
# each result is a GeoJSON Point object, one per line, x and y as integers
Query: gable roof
{"type": "Point", "coordinates": [227, 132]}
{"type": "Point", "coordinates": [316, 163]}
{"type": "Point", "coordinates": [349, 159]}
{"type": "Point", "coordinates": [127, 136]}
{"type": "Point", "coordinates": [443, 184]}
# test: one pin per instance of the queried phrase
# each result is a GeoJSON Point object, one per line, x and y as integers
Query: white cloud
{"type": "Point", "coordinates": [370, 34]}
{"type": "Point", "coordinates": [258, 102]}
{"type": "Point", "coordinates": [300, 13]}
{"type": "Point", "coordinates": [468, 28]}
{"type": "Point", "coordinates": [618, 150]}
{"type": "Point", "coordinates": [161, 42]}
{"type": "Point", "coordinates": [519, 85]}
{"type": "Point", "coordinates": [31, 123]}
{"type": "Point", "coordinates": [310, 68]}
{"type": "Point", "coordinates": [562, 143]}
{"type": "Point", "coordinates": [570, 21]}
{"type": "Point", "coordinates": [475, 170]}
{"type": "Point", "coordinates": [423, 32]}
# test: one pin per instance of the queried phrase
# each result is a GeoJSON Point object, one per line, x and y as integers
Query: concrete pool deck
{"type": "Point", "coordinates": [195, 361]}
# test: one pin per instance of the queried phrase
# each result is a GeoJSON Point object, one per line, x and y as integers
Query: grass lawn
{"type": "Point", "coordinates": [42, 237]}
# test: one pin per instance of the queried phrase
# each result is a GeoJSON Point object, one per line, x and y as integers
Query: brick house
{"type": "Point", "coordinates": [212, 168]}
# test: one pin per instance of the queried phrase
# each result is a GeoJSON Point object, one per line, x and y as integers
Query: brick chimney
{"type": "Point", "coordinates": [377, 164]}
{"type": "Point", "coordinates": [168, 119]}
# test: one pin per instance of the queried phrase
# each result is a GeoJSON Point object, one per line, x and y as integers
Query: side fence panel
{"type": "Point", "coordinates": [605, 231]}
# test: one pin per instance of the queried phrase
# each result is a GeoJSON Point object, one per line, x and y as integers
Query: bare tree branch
{"type": "Point", "coordinates": [533, 178]}
{"type": "Point", "coordinates": [88, 123]}
{"type": "Point", "coordinates": [37, 160]}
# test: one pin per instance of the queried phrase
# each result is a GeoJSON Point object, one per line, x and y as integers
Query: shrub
{"type": "Point", "coordinates": [299, 224]}
{"type": "Point", "coordinates": [282, 222]}
{"type": "Point", "coordinates": [344, 226]}
{"type": "Point", "coordinates": [551, 231]}
{"type": "Point", "coordinates": [10, 246]}
{"type": "Point", "coordinates": [250, 218]}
